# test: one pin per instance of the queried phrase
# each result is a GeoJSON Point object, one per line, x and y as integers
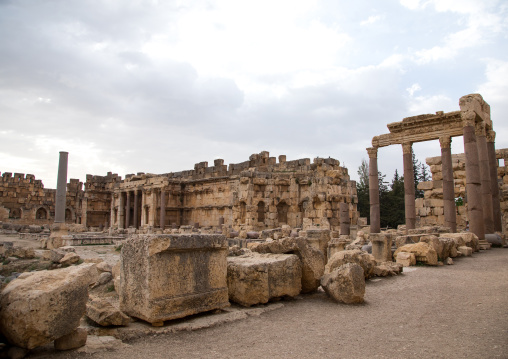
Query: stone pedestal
{"type": "Point", "coordinates": [170, 276]}
{"type": "Point", "coordinates": [381, 246]}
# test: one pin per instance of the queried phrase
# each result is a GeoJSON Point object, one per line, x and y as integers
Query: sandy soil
{"type": "Point", "coordinates": [458, 311]}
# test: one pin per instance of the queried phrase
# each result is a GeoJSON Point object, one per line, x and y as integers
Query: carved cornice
{"type": "Point", "coordinates": [468, 118]}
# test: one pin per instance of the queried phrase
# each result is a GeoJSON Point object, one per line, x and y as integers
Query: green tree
{"type": "Point", "coordinates": [362, 189]}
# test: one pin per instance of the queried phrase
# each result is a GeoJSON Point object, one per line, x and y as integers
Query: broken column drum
{"type": "Point", "coordinates": [167, 277]}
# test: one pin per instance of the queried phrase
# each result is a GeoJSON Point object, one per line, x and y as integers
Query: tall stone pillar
{"type": "Point", "coordinates": [61, 188]}
{"type": "Point", "coordinates": [121, 210]}
{"type": "Point", "coordinates": [450, 213]}
{"type": "Point", "coordinates": [473, 180]}
{"type": "Point", "coordinates": [483, 161]}
{"type": "Point", "coordinates": [112, 218]}
{"type": "Point", "coordinates": [409, 186]}
{"type": "Point", "coordinates": [128, 209]}
{"type": "Point", "coordinates": [136, 204]}
{"type": "Point", "coordinates": [143, 219]}
{"type": "Point", "coordinates": [375, 215]}
{"type": "Point", "coordinates": [163, 209]}
{"type": "Point", "coordinates": [496, 203]}
{"type": "Point", "coordinates": [344, 219]}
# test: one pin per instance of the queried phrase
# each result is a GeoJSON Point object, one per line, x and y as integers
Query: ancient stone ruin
{"type": "Point", "coordinates": [221, 239]}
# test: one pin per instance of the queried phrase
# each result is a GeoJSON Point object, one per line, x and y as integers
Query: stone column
{"type": "Point", "coordinates": [496, 203]}
{"type": "Point", "coordinates": [128, 209]}
{"type": "Point", "coordinates": [121, 210]}
{"type": "Point", "coordinates": [112, 219]}
{"type": "Point", "coordinates": [344, 218]}
{"type": "Point", "coordinates": [61, 188]}
{"type": "Point", "coordinates": [163, 209]}
{"type": "Point", "coordinates": [375, 216]}
{"type": "Point", "coordinates": [473, 180]}
{"type": "Point", "coordinates": [144, 220]}
{"type": "Point", "coordinates": [136, 203]}
{"type": "Point", "coordinates": [483, 161]}
{"type": "Point", "coordinates": [409, 186]}
{"type": "Point", "coordinates": [450, 212]}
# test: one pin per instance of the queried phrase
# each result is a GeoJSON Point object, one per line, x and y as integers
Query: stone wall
{"type": "Point", "coordinates": [254, 195]}
{"type": "Point", "coordinates": [430, 208]}
{"type": "Point", "coordinates": [24, 200]}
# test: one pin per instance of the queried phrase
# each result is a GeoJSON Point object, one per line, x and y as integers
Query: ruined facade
{"type": "Point", "coordinates": [430, 211]}
{"type": "Point", "coordinates": [257, 194]}
{"type": "Point", "coordinates": [474, 124]}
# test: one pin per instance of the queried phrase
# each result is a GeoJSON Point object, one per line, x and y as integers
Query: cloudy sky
{"type": "Point", "coordinates": [156, 86]}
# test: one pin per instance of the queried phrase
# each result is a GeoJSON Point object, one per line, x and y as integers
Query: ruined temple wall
{"type": "Point", "coordinates": [430, 208]}
{"type": "Point", "coordinates": [24, 200]}
{"type": "Point", "coordinates": [96, 204]}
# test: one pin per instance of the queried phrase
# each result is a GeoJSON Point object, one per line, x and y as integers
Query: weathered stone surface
{"type": "Point", "coordinates": [442, 245]}
{"type": "Point", "coordinates": [169, 276]}
{"type": "Point", "coordinates": [365, 260]}
{"type": "Point", "coordinates": [73, 340]}
{"type": "Point", "coordinates": [256, 278]}
{"type": "Point", "coordinates": [313, 260]}
{"type": "Point", "coordinates": [345, 284]}
{"type": "Point", "coordinates": [381, 246]}
{"type": "Point", "coordinates": [424, 252]}
{"type": "Point", "coordinates": [104, 278]}
{"type": "Point", "coordinates": [104, 267]}
{"type": "Point", "coordinates": [105, 314]}
{"type": "Point", "coordinates": [385, 269]}
{"type": "Point", "coordinates": [39, 307]}
{"type": "Point", "coordinates": [318, 238]}
{"type": "Point", "coordinates": [406, 259]}
{"type": "Point", "coordinates": [470, 239]}
{"type": "Point", "coordinates": [465, 251]}
{"type": "Point", "coordinates": [70, 258]}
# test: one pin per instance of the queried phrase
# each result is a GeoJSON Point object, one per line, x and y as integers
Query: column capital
{"type": "Point", "coordinates": [445, 141]}
{"type": "Point", "coordinates": [372, 152]}
{"type": "Point", "coordinates": [407, 147]}
{"type": "Point", "coordinates": [491, 136]}
{"type": "Point", "coordinates": [468, 118]}
{"type": "Point", "coordinates": [480, 129]}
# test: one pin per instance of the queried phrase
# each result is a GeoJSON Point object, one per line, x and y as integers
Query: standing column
{"type": "Point", "coordinates": [409, 186]}
{"type": "Point", "coordinates": [496, 203]}
{"type": "Point", "coordinates": [483, 158]}
{"type": "Point", "coordinates": [112, 219]}
{"type": "Point", "coordinates": [121, 210]}
{"type": "Point", "coordinates": [143, 220]}
{"type": "Point", "coordinates": [136, 202]}
{"type": "Point", "coordinates": [163, 209]}
{"type": "Point", "coordinates": [450, 213]}
{"type": "Point", "coordinates": [61, 188]}
{"type": "Point", "coordinates": [128, 209]}
{"type": "Point", "coordinates": [344, 219]}
{"type": "Point", "coordinates": [375, 216]}
{"type": "Point", "coordinates": [473, 181]}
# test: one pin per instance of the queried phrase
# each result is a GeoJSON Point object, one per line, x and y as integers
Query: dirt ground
{"type": "Point", "coordinates": [457, 311]}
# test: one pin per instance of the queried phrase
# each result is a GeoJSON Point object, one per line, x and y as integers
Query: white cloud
{"type": "Point", "coordinates": [411, 90]}
{"type": "Point", "coordinates": [372, 19]}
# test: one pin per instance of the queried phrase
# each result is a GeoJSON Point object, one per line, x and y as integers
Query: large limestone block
{"type": "Point", "coordinates": [406, 259]}
{"type": "Point", "coordinates": [345, 284]}
{"type": "Point", "coordinates": [40, 307]}
{"type": "Point", "coordinates": [469, 239]}
{"type": "Point", "coordinates": [381, 246]}
{"type": "Point", "coordinates": [169, 276]}
{"type": "Point", "coordinates": [256, 278]}
{"type": "Point", "coordinates": [313, 260]}
{"type": "Point", "coordinates": [424, 252]}
{"type": "Point", "coordinates": [319, 238]}
{"type": "Point", "coordinates": [365, 260]}
{"type": "Point", "coordinates": [442, 245]}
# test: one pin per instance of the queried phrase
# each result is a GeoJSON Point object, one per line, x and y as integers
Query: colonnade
{"type": "Point", "coordinates": [482, 191]}
{"type": "Point", "coordinates": [136, 207]}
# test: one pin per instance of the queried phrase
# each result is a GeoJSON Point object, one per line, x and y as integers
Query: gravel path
{"type": "Point", "coordinates": [458, 311]}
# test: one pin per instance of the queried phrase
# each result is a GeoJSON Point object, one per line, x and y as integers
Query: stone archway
{"type": "Point", "coordinates": [41, 213]}
{"type": "Point", "coordinates": [282, 212]}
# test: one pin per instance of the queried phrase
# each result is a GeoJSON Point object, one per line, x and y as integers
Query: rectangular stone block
{"type": "Point", "coordinates": [381, 246]}
{"type": "Point", "coordinates": [256, 278]}
{"type": "Point", "coordinates": [169, 276]}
